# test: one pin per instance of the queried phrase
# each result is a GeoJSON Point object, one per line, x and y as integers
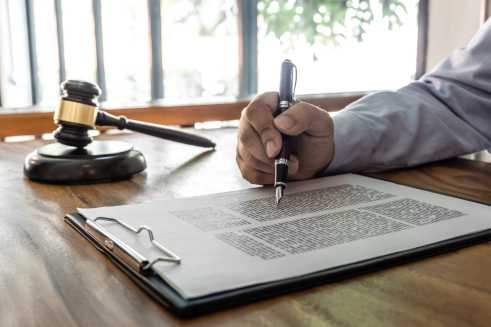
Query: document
{"type": "Point", "coordinates": [238, 239]}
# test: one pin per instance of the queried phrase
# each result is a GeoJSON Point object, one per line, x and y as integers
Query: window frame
{"type": "Point", "coordinates": [35, 121]}
{"type": "Point", "coordinates": [485, 10]}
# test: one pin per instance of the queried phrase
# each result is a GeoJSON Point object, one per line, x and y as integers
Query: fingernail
{"type": "Point", "coordinates": [284, 122]}
{"type": "Point", "coordinates": [270, 148]}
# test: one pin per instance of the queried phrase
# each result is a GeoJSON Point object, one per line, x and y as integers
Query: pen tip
{"type": "Point", "coordinates": [279, 194]}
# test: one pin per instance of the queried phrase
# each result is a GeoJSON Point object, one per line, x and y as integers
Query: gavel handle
{"type": "Point", "coordinates": [121, 122]}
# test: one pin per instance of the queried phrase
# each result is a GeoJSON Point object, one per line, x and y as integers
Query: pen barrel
{"type": "Point", "coordinates": [285, 148]}
{"type": "Point", "coordinates": [286, 84]}
{"type": "Point", "coordinates": [284, 101]}
{"type": "Point", "coordinates": [121, 122]}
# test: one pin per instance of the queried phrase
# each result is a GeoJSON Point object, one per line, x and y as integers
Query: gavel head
{"type": "Point", "coordinates": [76, 113]}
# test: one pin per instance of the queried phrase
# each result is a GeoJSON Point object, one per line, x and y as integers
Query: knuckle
{"type": "Point", "coordinates": [249, 160]}
{"type": "Point", "coordinates": [265, 102]}
{"type": "Point", "coordinates": [267, 134]}
{"type": "Point", "coordinates": [267, 131]}
{"type": "Point", "coordinates": [302, 125]}
{"type": "Point", "coordinates": [251, 112]}
{"type": "Point", "coordinates": [305, 115]}
{"type": "Point", "coordinates": [249, 174]}
{"type": "Point", "coordinates": [315, 113]}
{"type": "Point", "coordinates": [245, 156]}
{"type": "Point", "coordinates": [321, 121]}
{"type": "Point", "coordinates": [267, 98]}
{"type": "Point", "coordinates": [245, 137]}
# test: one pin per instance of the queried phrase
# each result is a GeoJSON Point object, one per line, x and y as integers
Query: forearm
{"type": "Point", "coordinates": [399, 129]}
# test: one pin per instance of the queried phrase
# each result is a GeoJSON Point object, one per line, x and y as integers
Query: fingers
{"type": "Point", "coordinates": [268, 101]}
{"type": "Point", "coordinates": [251, 173]}
{"type": "Point", "coordinates": [304, 118]}
{"type": "Point", "coordinates": [249, 140]}
{"type": "Point", "coordinates": [259, 115]}
{"type": "Point", "coordinates": [259, 139]}
{"type": "Point", "coordinates": [265, 167]}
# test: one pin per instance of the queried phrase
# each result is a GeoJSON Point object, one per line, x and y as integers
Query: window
{"type": "Point", "coordinates": [46, 51]}
{"type": "Point", "coordinates": [78, 37]}
{"type": "Point", "coordinates": [192, 51]}
{"type": "Point", "coordinates": [200, 42]}
{"type": "Point", "coordinates": [126, 49]}
{"type": "Point", "coordinates": [339, 46]}
{"type": "Point", "coordinates": [15, 82]}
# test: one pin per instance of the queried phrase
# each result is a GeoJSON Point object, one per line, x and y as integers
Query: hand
{"type": "Point", "coordinates": [259, 139]}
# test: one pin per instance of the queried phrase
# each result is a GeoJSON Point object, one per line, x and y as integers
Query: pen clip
{"type": "Point", "coordinates": [294, 78]}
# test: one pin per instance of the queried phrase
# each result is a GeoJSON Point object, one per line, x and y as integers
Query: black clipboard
{"type": "Point", "coordinates": [156, 287]}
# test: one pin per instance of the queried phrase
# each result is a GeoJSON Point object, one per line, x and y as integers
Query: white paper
{"type": "Point", "coordinates": [237, 239]}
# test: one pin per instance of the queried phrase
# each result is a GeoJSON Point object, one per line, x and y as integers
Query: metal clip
{"type": "Point", "coordinates": [124, 252]}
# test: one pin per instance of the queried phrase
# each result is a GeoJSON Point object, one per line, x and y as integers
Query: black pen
{"type": "Point", "coordinates": [285, 100]}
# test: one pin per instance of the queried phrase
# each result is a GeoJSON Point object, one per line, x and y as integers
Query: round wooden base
{"type": "Point", "coordinates": [100, 161]}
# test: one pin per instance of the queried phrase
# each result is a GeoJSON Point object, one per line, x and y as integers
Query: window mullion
{"type": "Point", "coordinates": [99, 47]}
{"type": "Point", "coordinates": [421, 52]}
{"type": "Point", "coordinates": [60, 40]}
{"type": "Point", "coordinates": [248, 47]}
{"type": "Point", "coordinates": [31, 39]}
{"type": "Point", "coordinates": [155, 18]}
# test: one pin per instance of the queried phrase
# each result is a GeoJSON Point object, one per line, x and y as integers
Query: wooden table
{"type": "Point", "coordinates": [50, 276]}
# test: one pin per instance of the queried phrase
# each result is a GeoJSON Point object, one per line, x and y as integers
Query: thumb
{"type": "Point", "coordinates": [303, 117]}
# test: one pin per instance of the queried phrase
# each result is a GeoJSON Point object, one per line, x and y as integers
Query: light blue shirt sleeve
{"type": "Point", "coordinates": [444, 114]}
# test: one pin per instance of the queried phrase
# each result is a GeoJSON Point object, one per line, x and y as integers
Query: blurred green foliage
{"type": "Point", "coordinates": [325, 20]}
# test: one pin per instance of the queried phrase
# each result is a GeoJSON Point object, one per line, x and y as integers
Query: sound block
{"type": "Point", "coordinates": [100, 161]}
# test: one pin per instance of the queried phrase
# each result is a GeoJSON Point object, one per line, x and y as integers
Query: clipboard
{"type": "Point", "coordinates": [140, 271]}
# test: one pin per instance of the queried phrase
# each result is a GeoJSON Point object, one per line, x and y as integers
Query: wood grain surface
{"type": "Point", "coordinates": [50, 276]}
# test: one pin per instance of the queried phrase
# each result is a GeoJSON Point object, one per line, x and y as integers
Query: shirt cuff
{"type": "Point", "coordinates": [352, 148]}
